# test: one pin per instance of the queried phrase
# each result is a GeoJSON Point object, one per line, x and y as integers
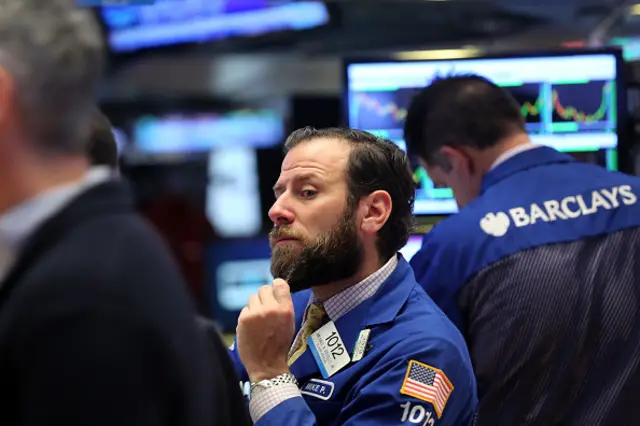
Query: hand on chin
{"type": "Point", "coordinates": [265, 331]}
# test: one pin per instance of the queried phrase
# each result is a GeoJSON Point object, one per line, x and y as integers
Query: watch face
{"type": "Point", "coordinates": [262, 384]}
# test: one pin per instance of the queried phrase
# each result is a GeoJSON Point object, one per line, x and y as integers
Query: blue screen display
{"type": "Point", "coordinates": [236, 269]}
{"type": "Point", "coordinates": [569, 102]}
{"type": "Point", "coordinates": [185, 133]}
{"type": "Point", "coordinates": [170, 22]}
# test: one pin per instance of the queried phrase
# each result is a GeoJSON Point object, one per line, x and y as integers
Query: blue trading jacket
{"type": "Point", "coordinates": [411, 344]}
{"type": "Point", "coordinates": [540, 275]}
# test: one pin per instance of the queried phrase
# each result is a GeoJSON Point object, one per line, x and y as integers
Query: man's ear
{"type": "Point", "coordinates": [377, 209]}
{"type": "Point", "coordinates": [460, 159]}
{"type": "Point", "coordinates": [454, 157]}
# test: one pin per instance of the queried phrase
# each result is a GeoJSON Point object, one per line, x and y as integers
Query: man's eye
{"type": "Point", "coordinates": [307, 193]}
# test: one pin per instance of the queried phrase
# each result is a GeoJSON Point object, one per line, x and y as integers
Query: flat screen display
{"type": "Point", "coordinates": [174, 22]}
{"type": "Point", "coordinates": [193, 133]}
{"type": "Point", "coordinates": [233, 146]}
{"type": "Point", "coordinates": [236, 269]}
{"type": "Point", "coordinates": [233, 192]}
{"type": "Point", "coordinates": [569, 102]}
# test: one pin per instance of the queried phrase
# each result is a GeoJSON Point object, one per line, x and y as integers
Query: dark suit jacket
{"type": "Point", "coordinates": [220, 355]}
{"type": "Point", "coordinates": [96, 328]}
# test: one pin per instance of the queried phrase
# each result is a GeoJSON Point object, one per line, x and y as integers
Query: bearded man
{"type": "Point", "coordinates": [359, 342]}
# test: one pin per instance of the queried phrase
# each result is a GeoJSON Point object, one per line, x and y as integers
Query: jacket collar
{"type": "Point", "coordinates": [18, 223]}
{"type": "Point", "coordinates": [383, 307]}
{"type": "Point", "coordinates": [524, 161]}
{"type": "Point", "coordinates": [104, 199]}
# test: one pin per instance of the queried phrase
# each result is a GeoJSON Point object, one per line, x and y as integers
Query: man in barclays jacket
{"type": "Point", "coordinates": [538, 269]}
{"type": "Point", "coordinates": [359, 343]}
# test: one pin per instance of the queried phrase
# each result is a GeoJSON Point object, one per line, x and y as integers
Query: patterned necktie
{"type": "Point", "coordinates": [315, 318]}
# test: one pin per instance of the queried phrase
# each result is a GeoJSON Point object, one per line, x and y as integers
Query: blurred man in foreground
{"type": "Point", "coordinates": [538, 269]}
{"type": "Point", "coordinates": [359, 343]}
{"type": "Point", "coordinates": [95, 326]}
{"type": "Point", "coordinates": [227, 399]}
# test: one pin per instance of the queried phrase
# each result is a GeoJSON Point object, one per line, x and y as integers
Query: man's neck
{"type": "Point", "coordinates": [327, 291]}
{"type": "Point", "coordinates": [31, 178]}
{"type": "Point", "coordinates": [489, 156]}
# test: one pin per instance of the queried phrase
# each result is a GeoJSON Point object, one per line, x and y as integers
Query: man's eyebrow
{"type": "Point", "coordinates": [300, 178]}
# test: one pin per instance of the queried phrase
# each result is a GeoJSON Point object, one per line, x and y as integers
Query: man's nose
{"type": "Point", "coordinates": [280, 214]}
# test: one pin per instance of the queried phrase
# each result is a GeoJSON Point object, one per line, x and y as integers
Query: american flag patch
{"type": "Point", "coordinates": [428, 384]}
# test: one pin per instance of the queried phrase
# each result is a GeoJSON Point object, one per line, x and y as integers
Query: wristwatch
{"type": "Point", "coordinates": [276, 381]}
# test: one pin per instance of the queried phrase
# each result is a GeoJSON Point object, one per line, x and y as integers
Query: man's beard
{"type": "Point", "coordinates": [333, 256]}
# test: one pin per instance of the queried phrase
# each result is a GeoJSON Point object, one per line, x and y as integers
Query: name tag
{"type": "Point", "coordinates": [328, 350]}
{"type": "Point", "coordinates": [361, 345]}
{"type": "Point", "coordinates": [317, 388]}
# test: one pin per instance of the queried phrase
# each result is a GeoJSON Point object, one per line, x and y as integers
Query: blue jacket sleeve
{"type": "Point", "coordinates": [396, 391]}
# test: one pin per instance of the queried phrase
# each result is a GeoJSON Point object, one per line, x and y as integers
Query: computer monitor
{"type": "Point", "coordinates": [233, 204]}
{"type": "Point", "coordinates": [235, 269]}
{"type": "Point", "coordinates": [164, 23]}
{"type": "Point", "coordinates": [571, 101]}
{"type": "Point", "coordinates": [188, 133]}
{"type": "Point", "coordinates": [234, 143]}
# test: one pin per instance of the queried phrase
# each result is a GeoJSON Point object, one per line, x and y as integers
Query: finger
{"type": "Point", "coordinates": [254, 303]}
{"type": "Point", "coordinates": [243, 313]}
{"type": "Point", "coordinates": [281, 291]}
{"type": "Point", "coordinates": [266, 295]}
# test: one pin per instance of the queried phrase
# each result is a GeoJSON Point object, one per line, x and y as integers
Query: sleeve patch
{"type": "Point", "coordinates": [428, 384]}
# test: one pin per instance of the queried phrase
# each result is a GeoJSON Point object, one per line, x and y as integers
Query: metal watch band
{"type": "Point", "coordinates": [278, 380]}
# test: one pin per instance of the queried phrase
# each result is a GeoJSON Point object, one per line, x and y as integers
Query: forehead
{"type": "Point", "coordinates": [324, 157]}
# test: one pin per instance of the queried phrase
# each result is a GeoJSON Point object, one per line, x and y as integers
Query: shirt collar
{"type": "Point", "coordinates": [341, 303]}
{"type": "Point", "coordinates": [510, 153]}
{"type": "Point", "coordinates": [20, 221]}
{"type": "Point", "coordinates": [524, 161]}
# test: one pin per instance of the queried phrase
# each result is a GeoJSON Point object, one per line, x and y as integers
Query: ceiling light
{"type": "Point", "coordinates": [430, 55]}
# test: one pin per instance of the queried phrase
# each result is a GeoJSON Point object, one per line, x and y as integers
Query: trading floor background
{"type": "Point", "coordinates": [202, 94]}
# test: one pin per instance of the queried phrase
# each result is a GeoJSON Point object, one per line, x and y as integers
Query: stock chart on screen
{"type": "Point", "coordinates": [568, 103]}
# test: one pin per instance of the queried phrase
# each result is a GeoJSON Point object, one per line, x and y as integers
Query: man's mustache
{"type": "Point", "coordinates": [281, 232]}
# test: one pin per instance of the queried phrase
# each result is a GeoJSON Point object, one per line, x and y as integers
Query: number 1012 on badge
{"type": "Point", "coordinates": [104, 3]}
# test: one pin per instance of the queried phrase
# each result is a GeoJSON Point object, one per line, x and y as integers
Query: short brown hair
{"type": "Point", "coordinates": [460, 110]}
{"type": "Point", "coordinates": [102, 146]}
